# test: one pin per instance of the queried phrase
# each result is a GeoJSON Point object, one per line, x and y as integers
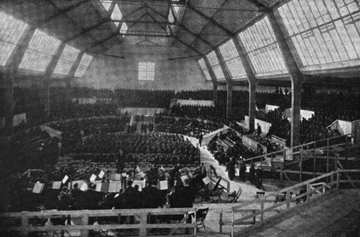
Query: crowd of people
{"type": "Point", "coordinates": [89, 134]}
{"type": "Point", "coordinates": [186, 126]}
{"type": "Point", "coordinates": [135, 191]}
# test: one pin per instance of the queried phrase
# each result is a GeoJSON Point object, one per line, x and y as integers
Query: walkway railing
{"type": "Point", "coordinates": [289, 156]}
{"type": "Point", "coordinates": [19, 222]}
{"type": "Point", "coordinates": [311, 189]}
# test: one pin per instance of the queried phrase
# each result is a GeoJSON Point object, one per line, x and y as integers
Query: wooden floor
{"type": "Point", "coordinates": [336, 213]}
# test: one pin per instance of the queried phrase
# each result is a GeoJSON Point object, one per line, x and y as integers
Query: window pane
{"type": "Point", "coordinates": [262, 48]}
{"type": "Point", "coordinates": [333, 37]}
{"type": "Point", "coordinates": [39, 52]}
{"type": "Point", "coordinates": [232, 60]}
{"type": "Point", "coordinates": [146, 71]}
{"type": "Point", "coordinates": [83, 65]}
{"type": "Point", "coordinates": [212, 58]}
{"type": "Point", "coordinates": [11, 31]}
{"type": "Point", "coordinates": [66, 60]}
{"type": "Point", "coordinates": [202, 64]}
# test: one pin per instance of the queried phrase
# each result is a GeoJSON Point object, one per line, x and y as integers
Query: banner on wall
{"type": "Point", "coordinates": [19, 118]}
{"type": "Point", "coordinates": [92, 100]}
{"type": "Point", "coordinates": [52, 132]}
{"type": "Point", "coordinates": [356, 132]}
{"type": "Point", "coordinates": [143, 111]}
{"type": "Point", "coordinates": [269, 108]}
{"type": "Point", "coordinates": [344, 127]}
{"type": "Point", "coordinates": [196, 102]}
{"type": "Point", "coordinates": [304, 114]}
{"type": "Point", "coordinates": [265, 126]}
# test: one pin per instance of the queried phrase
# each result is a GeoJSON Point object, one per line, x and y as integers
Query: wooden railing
{"type": "Point", "coordinates": [300, 153]}
{"type": "Point", "coordinates": [84, 219]}
{"type": "Point", "coordinates": [314, 188]}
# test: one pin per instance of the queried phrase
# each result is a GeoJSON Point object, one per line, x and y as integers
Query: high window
{"type": "Point", "coordinates": [261, 47]}
{"type": "Point", "coordinates": [215, 65]}
{"type": "Point", "coordinates": [11, 31]}
{"type": "Point", "coordinates": [66, 60]}
{"type": "Point", "coordinates": [83, 65]}
{"type": "Point", "coordinates": [204, 69]}
{"type": "Point", "coordinates": [232, 60]}
{"type": "Point", "coordinates": [146, 71]}
{"type": "Point", "coordinates": [324, 34]}
{"type": "Point", "coordinates": [39, 52]}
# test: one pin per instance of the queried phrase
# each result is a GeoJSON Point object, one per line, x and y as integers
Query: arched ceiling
{"type": "Point", "coordinates": [181, 27]}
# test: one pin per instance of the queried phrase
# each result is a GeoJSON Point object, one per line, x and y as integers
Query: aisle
{"type": "Point", "coordinates": [248, 190]}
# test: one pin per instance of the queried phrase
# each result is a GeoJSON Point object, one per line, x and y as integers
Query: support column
{"type": "Point", "coordinates": [47, 77]}
{"type": "Point", "coordinates": [229, 92]}
{"type": "Point", "coordinates": [229, 83]}
{"type": "Point", "coordinates": [215, 93]}
{"type": "Point", "coordinates": [252, 104]}
{"type": "Point", "coordinates": [74, 67]}
{"type": "Point", "coordinates": [11, 68]}
{"type": "Point", "coordinates": [252, 82]}
{"type": "Point", "coordinates": [297, 79]}
{"type": "Point", "coordinates": [213, 78]}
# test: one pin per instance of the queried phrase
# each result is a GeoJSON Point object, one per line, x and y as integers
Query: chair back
{"type": "Point", "coordinates": [238, 195]}
{"type": "Point", "coordinates": [201, 214]}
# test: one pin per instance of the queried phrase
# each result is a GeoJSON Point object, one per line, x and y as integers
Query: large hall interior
{"type": "Point", "coordinates": [180, 118]}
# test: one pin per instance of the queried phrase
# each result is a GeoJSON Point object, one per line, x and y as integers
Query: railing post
{"type": "Point", "coordinates": [327, 157]}
{"type": "Point", "coordinates": [254, 218]}
{"type": "Point", "coordinates": [25, 223]}
{"type": "Point", "coordinates": [332, 180]}
{"type": "Point", "coordinates": [232, 222]}
{"type": "Point", "coordinates": [308, 189]}
{"type": "Point", "coordinates": [284, 154]}
{"type": "Point", "coordinates": [143, 222]}
{"type": "Point", "coordinates": [301, 161]}
{"type": "Point", "coordinates": [337, 179]}
{"type": "Point", "coordinates": [281, 173]}
{"type": "Point", "coordinates": [220, 221]}
{"type": "Point", "coordinates": [84, 221]}
{"type": "Point", "coordinates": [262, 208]}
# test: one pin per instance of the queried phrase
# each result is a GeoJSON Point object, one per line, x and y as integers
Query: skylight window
{"type": "Point", "coordinates": [116, 14]}
{"type": "Point", "coordinates": [83, 65]}
{"type": "Point", "coordinates": [168, 30]}
{"type": "Point", "coordinates": [39, 52]}
{"type": "Point", "coordinates": [146, 71]}
{"type": "Point", "coordinates": [123, 29]}
{"type": "Point", "coordinates": [214, 62]}
{"type": "Point", "coordinates": [106, 4]}
{"type": "Point", "coordinates": [171, 16]}
{"type": "Point", "coordinates": [232, 60]}
{"type": "Point", "coordinates": [66, 60]}
{"type": "Point", "coordinates": [11, 31]}
{"type": "Point", "coordinates": [324, 34]}
{"type": "Point", "coordinates": [263, 50]}
{"type": "Point", "coordinates": [203, 67]}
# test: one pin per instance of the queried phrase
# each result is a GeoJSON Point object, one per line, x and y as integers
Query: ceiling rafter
{"type": "Point", "coordinates": [138, 20]}
{"type": "Point", "coordinates": [182, 26]}
{"type": "Point", "coordinates": [217, 24]}
{"type": "Point", "coordinates": [262, 7]}
{"type": "Point", "coordinates": [87, 30]}
{"type": "Point", "coordinates": [102, 41]}
{"type": "Point", "coordinates": [74, 22]}
{"type": "Point", "coordinates": [188, 46]}
{"type": "Point", "coordinates": [196, 35]}
{"type": "Point", "coordinates": [178, 23]}
{"type": "Point", "coordinates": [60, 11]}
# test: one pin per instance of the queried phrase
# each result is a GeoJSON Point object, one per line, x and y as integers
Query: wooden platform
{"type": "Point", "coordinates": [336, 213]}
